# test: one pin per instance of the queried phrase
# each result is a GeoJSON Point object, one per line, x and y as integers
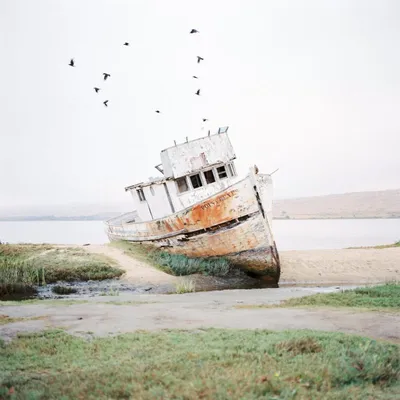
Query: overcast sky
{"type": "Point", "coordinates": [309, 87]}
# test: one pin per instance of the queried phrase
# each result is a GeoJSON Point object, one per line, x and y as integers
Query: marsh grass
{"type": "Point", "coordinates": [175, 264]}
{"type": "Point", "coordinates": [180, 265]}
{"type": "Point", "coordinates": [17, 276]}
{"type": "Point", "coordinates": [24, 266]}
{"type": "Point", "coordinates": [185, 285]}
{"type": "Point", "coordinates": [206, 364]}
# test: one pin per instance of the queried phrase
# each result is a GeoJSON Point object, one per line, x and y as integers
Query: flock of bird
{"type": "Point", "coordinates": [107, 75]}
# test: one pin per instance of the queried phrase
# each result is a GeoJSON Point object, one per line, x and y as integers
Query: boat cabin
{"type": "Point", "coordinates": [192, 171]}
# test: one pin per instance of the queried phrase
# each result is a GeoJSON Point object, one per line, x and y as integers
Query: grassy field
{"type": "Point", "coordinates": [27, 265]}
{"type": "Point", "coordinates": [175, 264]}
{"type": "Point", "coordinates": [376, 297]}
{"type": "Point", "coordinates": [211, 364]}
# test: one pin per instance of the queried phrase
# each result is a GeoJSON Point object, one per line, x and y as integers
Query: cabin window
{"type": "Point", "coordinates": [152, 190]}
{"type": "Point", "coordinates": [209, 176]}
{"type": "Point", "coordinates": [182, 185]}
{"type": "Point", "coordinates": [222, 172]}
{"type": "Point", "coordinates": [231, 169]}
{"type": "Point", "coordinates": [141, 194]}
{"type": "Point", "coordinates": [196, 181]}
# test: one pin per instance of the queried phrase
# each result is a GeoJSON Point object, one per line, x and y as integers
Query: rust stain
{"type": "Point", "coordinates": [220, 209]}
{"type": "Point", "coordinates": [168, 226]}
{"type": "Point", "coordinates": [212, 212]}
{"type": "Point", "coordinates": [229, 241]}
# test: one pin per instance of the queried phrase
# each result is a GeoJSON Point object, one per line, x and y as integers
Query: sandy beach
{"type": "Point", "coordinates": [342, 266]}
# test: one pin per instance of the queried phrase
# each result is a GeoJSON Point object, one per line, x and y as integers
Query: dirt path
{"type": "Point", "coordinates": [136, 271]}
{"type": "Point", "coordinates": [127, 313]}
{"type": "Point", "coordinates": [341, 266]}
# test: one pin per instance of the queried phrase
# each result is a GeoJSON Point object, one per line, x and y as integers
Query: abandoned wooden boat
{"type": "Point", "coordinates": [202, 208]}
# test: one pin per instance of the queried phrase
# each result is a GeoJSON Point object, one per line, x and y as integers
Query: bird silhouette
{"type": "Point", "coordinates": [205, 119]}
{"type": "Point", "coordinates": [198, 92]}
{"type": "Point", "coordinates": [195, 77]}
{"type": "Point", "coordinates": [158, 111]}
{"type": "Point", "coordinates": [194, 31]}
{"type": "Point", "coordinates": [96, 89]}
{"type": "Point", "coordinates": [106, 75]}
{"type": "Point", "coordinates": [72, 63]}
{"type": "Point", "coordinates": [126, 44]}
{"type": "Point", "coordinates": [199, 59]}
{"type": "Point", "coordinates": [105, 103]}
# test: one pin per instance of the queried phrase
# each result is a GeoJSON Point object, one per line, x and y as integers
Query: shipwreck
{"type": "Point", "coordinates": [200, 207]}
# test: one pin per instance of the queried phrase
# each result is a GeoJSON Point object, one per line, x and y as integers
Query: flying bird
{"type": "Point", "coordinates": [106, 75]}
{"type": "Point", "coordinates": [194, 31]}
{"type": "Point", "coordinates": [198, 92]}
{"type": "Point", "coordinates": [72, 63]}
{"type": "Point", "coordinates": [158, 111]}
{"type": "Point", "coordinates": [199, 59]}
{"type": "Point", "coordinates": [195, 77]}
{"type": "Point", "coordinates": [96, 89]}
{"type": "Point", "coordinates": [105, 103]}
{"type": "Point", "coordinates": [126, 44]}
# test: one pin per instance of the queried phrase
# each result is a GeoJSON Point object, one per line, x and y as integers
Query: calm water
{"type": "Point", "coordinates": [289, 235]}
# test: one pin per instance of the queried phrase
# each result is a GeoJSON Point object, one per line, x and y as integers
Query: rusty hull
{"type": "Point", "coordinates": [231, 223]}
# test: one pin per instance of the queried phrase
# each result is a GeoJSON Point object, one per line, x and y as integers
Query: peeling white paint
{"type": "Point", "coordinates": [189, 157]}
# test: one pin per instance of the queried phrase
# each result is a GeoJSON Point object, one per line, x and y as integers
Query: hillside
{"type": "Point", "coordinates": [379, 204]}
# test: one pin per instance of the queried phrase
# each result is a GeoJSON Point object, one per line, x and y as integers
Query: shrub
{"type": "Point", "coordinates": [179, 264]}
{"type": "Point", "coordinates": [185, 286]}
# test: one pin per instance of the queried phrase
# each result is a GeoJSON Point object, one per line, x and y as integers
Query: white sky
{"type": "Point", "coordinates": [309, 87]}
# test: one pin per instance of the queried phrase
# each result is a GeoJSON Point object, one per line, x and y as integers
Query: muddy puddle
{"type": "Point", "coordinates": [82, 290]}
{"type": "Point", "coordinates": [115, 287]}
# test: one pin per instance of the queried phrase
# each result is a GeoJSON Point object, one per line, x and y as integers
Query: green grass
{"type": "Point", "coordinates": [211, 364]}
{"type": "Point", "coordinates": [379, 298]}
{"type": "Point", "coordinates": [376, 297]}
{"type": "Point", "coordinates": [382, 246]}
{"type": "Point", "coordinates": [23, 266]}
{"type": "Point", "coordinates": [175, 264]}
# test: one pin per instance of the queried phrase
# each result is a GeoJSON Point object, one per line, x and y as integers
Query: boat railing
{"type": "Point", "coordinates": [131, 216]}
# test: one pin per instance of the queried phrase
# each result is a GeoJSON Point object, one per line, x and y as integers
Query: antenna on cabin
{"type": "Point", "coordinates": [175, 142]}
{"type": "Point", "coordinates": [186, 139]}
{"type": "Point", "coordinates": [274, 171]}
{"type": "Point", "coordinates": [209, 132]}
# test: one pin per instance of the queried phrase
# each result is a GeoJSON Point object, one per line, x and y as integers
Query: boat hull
{"type": "Point", "coordinates": [234, 224]}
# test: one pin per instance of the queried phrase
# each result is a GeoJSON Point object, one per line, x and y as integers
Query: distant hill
{"type": "Point", "coordinates": [66, 212]}
{"type": "Point", "coordinates": [379, 204]}
{"type": "Point", "coordinates": [95, 217]}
